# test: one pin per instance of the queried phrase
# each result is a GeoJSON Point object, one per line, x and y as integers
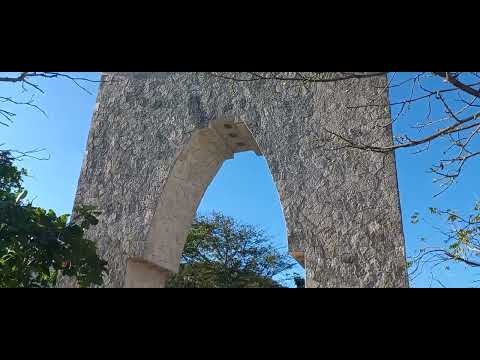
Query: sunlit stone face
{"type": "Point", "coordinates": [158, 139]}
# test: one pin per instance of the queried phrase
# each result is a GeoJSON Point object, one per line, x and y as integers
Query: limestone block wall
{"type": "Point", "coordinates": [158, 139]}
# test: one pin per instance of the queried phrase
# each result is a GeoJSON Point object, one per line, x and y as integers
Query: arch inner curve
{"type": "Point", "coordinates": [193, 171]}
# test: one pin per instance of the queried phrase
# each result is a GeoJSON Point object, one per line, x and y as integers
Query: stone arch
{"type": "Point", "coordinates": [341, 207]}
{"type": "Point", "coordinates": [194, 169]}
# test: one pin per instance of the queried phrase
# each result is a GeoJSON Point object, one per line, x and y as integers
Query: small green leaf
{"type": "Point", "coordinates": [415, 218]}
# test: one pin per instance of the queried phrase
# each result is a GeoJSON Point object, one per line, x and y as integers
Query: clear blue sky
{"type": "Point", "coordinates": [63, 134]}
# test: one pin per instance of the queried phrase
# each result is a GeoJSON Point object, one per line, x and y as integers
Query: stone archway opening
{"type": "Point", "coordinates": [244, 189]}
{"type": "Point", "coordinates": [195, 167]}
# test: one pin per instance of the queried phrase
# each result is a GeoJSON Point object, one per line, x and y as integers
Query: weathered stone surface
{"type": "Point", "coordinates": [156, 142]}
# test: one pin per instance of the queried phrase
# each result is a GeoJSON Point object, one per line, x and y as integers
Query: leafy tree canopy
{"type": "Point", "coordinates": [221, 253]}
{"type": "Point", "coordinates": [35, 244]}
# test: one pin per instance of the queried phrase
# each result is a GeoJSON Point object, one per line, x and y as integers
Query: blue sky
{"type": "Point", "coordinates": [243, 188]}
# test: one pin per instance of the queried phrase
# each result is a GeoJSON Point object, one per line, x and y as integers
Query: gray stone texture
{"type": "Point", "coordinates": [153, 149]}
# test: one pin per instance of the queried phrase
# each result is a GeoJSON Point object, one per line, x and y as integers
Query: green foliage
{"type": "Point", "coordinates": [299, 281]}
{"type": "Point", "coordinates": [460, 235]}
{"type": "Point", "coordinates": [220, 253]}
{"type": "Point", "coordinates": [415, 218]}
{"type": "Point", "coordinates": [10, 177]}
{"type": "Point", "coordinates": [36, 245]}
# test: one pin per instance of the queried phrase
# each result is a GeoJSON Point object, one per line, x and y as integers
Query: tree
{"type": "Point", "coordinates": [460, 236]}
{"type": "Point", "coordinates": [299, 281]}
{"type": "Point", "coordinates": [221, 253]}
{"type": "Point", "coordinates": [36, 245]}
{"type": "Point", "coordinates": [27, 82]}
